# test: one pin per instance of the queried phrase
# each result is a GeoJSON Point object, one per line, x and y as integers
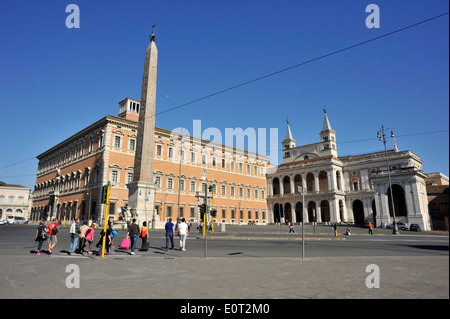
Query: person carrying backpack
{"type": "Point", "coordinates": [52, 230]}
{"type": "Point", "coordinates": [41, 236]}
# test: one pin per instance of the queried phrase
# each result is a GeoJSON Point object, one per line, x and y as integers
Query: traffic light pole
{"type": "Point", "coordinates": [205, 219]}
{"type": "Point", "coordinates": [108, 188]}
{"type": "Point", "coordinates": [212, 208]}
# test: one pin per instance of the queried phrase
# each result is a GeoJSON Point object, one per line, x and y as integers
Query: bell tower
{"type": "Point", "coordinates": [328, 138]}
{"type": "Point", "coordinates": [288, 143]}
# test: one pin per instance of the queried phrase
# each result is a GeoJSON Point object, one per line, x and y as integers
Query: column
{"type": "Point", "coordinates": [318, 212]}
{"type": "Point", "coordinates": [332, 181]}
{"type": "Point", "coordinates": [294, 218]}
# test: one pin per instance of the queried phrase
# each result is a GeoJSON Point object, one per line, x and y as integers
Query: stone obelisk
{"type": "Point", "coordinates": [141, 192]}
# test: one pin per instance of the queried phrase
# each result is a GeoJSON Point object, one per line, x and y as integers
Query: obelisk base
{"type": "Point", "coordinates": [141, 202]}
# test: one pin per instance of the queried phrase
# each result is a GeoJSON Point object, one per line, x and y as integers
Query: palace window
{"type": "Point", "coordinates": [129, 177]}
{"type": "Point", "coordinates": [223, 190]}
{"type": "Point", "coordinates": [158, 181]}
{"type": "Point", "coordinates": [132, 145]}
{"type": "Point", "coordinates": [117, 141]}
{"type": "Point", "coordinates": [114, 177]}
{"type": "Point", "coordinates": [169, 211]}
{"type": "Point", "coordinates": [181, 184]}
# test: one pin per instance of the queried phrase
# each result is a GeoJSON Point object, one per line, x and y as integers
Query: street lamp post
{"type": "Point", "coordinates": [382, 137]}
{"type": "Point", "coordinates": [302, 189]}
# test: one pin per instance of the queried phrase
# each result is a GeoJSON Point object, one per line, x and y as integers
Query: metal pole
{"type": "Point", "coordinates": [106, 219]}
{"type": "Point", "coordinates": [205, 222]}
{"type": "Point", "coordinates": [395, 229]}
{"type": "Point", "coordinates": [179, 177]}
{"type": "Point", "coordinates": [303, 223]}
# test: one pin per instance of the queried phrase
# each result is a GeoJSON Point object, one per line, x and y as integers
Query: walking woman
{"type": "Point", "coordinates": [144, 233]}
{"type": "Point", "coordinates": [107, 241]}
{"type": "Point", "coordinates": [89, 237]}
{"type": "Point", "coordinates": [41, 236]}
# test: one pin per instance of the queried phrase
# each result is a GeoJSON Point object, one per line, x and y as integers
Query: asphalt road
{"type": "Point", "coordinates": [253, 241]}
{"type": "Point", "coordinates": [246, 262]}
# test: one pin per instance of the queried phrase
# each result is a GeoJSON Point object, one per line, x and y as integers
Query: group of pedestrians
{"type": "Point", "coordinates": [82, 236]}
{"type": "Point", "coordinates": [183, 233]}
{"type": "Point", "coordinates": [44, 233]}
{"type": "Point", "coordinates": [134, 232]}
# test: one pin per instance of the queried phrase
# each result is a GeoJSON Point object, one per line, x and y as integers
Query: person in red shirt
{"type": "Point", "coordinates": [52, 240]}
{"type": "Point", "coordinates": [370, 228]}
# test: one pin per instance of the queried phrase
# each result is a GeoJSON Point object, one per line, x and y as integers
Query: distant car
{"type": "Point", "coordinates": [415, 227]}
{"type": "Point", "coordinates": [16, 220]}
{"type": "Point", "coordinates": [400, 225]}
{"type": "Point", "coordinates": [2, 222]}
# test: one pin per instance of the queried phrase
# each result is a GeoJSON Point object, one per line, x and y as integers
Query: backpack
{"type": "Point", "coordinates": [114, 234]}
{"type": "Point", "coordinates": [54, 230]}
{"type": "Point", "coordinates": [42, 235]}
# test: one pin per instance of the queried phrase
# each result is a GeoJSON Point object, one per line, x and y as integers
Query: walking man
{"type": "Point", "coordinates": [170, 229]}
{"type": "Point", "coordinates": [52, 230]}
{"type": "Point", "coordinates": [183, 232]}
{"type": "Point", "coordinates": [133, 232]}
{"type": "Point", "coordinates": [74, 233]}
{"type": "Point", "coordinates": [370, 228]}
{"type": "Point", "coordinates": [291, 227]}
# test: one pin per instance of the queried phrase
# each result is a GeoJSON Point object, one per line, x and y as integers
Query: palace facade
{"type": "Point", "coordinates": [71, 175]}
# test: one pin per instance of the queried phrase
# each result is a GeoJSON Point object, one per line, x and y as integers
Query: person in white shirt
{"type": "Point", "coordinates": [183, 232]}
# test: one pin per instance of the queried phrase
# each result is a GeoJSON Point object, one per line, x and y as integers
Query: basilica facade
{"type": "Point", "coordinates": [351, 189]}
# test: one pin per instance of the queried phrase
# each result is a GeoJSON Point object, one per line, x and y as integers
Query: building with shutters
{"type": "Point", "coordinates": [71, 174]}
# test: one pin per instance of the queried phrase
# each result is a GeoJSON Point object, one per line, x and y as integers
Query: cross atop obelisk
{"type": "Point", "coordinates": [141, 190]}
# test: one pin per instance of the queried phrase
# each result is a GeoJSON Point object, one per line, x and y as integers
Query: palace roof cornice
{"type": "Point", "coordinates": [120, 121]}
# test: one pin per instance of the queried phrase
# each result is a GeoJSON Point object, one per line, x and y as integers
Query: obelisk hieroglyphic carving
{"type": "Point", "coordinates": [142, 191]}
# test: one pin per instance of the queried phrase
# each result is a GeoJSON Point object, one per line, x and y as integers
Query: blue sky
{"type": "Point", "coordinates": [55, 81]}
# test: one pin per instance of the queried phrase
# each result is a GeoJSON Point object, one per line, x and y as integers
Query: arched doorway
{"type": "Point", "coordinates": [374, 211]}
{"type": "Point", "coordinates": [358, 212]}
{"type": "Point", "coordinates": [287, 185]}
{"type": "Point", "coordinates": [299, 212]}
{"type": "Point", "coordinates": [276, 186]}
{"type": "Point", "coordinates": [277, 213]}
{"type": "Point", "coordinates": [323, 181]}
{"type": "Point", "coordinates": [310, 182]}
{"type": "Point", "coordinates": [325, 211]}
{"type": "Point", "coordinates": [399, 201]}
{"type": "Point", "coordinates": [287, 213]}
{"type": "Point", "coordinates": [312, 211]}
{"type": "Point", "coordinates": [298, 182]}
